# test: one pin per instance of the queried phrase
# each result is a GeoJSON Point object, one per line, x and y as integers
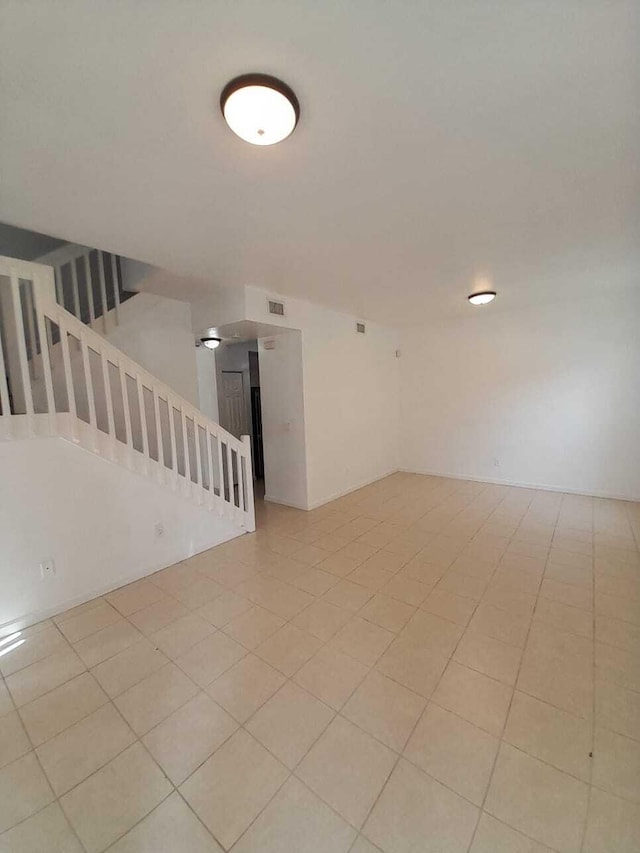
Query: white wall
{"type": "Point", "coordinates": [95, 519]}
{"type": "Point", "coordinates": [207, 383]}
{"type": "Point", "coordinates": [552, 394]}
{"type": "Point", "coordinates": [350, 394]}
{"type": "Point", "coordinates": [156, 332]}
{"type": "Point", "coordinates": [283, 420]}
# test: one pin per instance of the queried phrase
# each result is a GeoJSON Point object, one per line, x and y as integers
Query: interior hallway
{"type": "Point", "coordinates": [424, 665]}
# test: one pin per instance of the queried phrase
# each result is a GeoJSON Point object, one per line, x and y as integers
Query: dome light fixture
{"type": "Point", "coordinates": [259, 108]}
{"type": "Point", "coordinates": [210, 343]}
{"type": "Point", "coordinates": [482, 298]}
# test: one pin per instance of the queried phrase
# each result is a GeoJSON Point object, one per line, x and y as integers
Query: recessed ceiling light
{"type": "Point", "coordinates": [210, 343]}
{"type": "Point", "coordinates": [259, 109]}
{"type": "Point", "coordinates": [482, 298]}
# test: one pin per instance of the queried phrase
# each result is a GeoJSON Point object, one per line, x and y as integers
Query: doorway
{"type": "Point", "coordinates": [239, 402]}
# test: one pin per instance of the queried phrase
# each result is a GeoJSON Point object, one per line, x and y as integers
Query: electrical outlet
{"type": "Point", "coordinates": [47, 569]}
{"type": "Point", "coordinates": [159, 528]}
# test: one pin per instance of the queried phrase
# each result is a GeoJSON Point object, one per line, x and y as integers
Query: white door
{"type": "Point", "coordinates": [233, 412]}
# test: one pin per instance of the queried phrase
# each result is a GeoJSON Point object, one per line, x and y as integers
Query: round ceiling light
{"type": "Point", "coordinates": [210, 343]}
{"type": "Point", "coordinates": [482, 298]}
{"type": "Point", "coordinates": [260, 109]}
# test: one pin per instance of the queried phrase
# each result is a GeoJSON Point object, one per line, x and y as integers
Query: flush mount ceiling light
{"type": "Point", "coordinates": [482, 298]}
{"type": "Point", "coordinates": [210, 343]}
{"type": "Point", "coordinates": [259, 109]}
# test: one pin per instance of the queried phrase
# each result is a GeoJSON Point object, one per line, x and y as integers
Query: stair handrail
{"type": "Point", "coordinates": [45, 307]}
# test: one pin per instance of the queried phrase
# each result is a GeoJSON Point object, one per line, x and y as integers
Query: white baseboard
{"type": "Point", "coordinates": [336, 495]}
{"type": "Point", "coordinates": [40, 615]}
{"type": "Point", "coordinates": [333, 497]}
{"type": "Point", "coordinates": [543, 487]}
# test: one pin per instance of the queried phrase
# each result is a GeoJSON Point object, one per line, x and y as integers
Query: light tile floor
{"type": "Point", "coordinates": [424, 665]}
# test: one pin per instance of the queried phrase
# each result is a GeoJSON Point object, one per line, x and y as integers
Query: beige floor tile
{"type": "Point", "coordinates": [45, 675]}
{"type": "Point", "coordinates": [506, 598]}
{"type": "Point", "coordinates": [412, 664]}
{"type": "Point", "coordinates": [360, 551]}
{"type": "Point", "coordinates": [181, 635]}
{"type": "Point", "coordinates": [372, 577]}
{"type": "Point", "coordinates": [280, 598]}
{"type": "Point", "coordinates": [362, 640]}
{"type": "Point", "coordinates": [548, 642]}
{"type": "Point", "coordinates": [564, 617]}
{"type": "Point", "coordinates": [107, 642]}
{"type": "Point", "coordinates": [47, 830]}
{"type": "Point", "coordinates": [183, 741]}
{"type": "Point", "coordinates": [289, 723]}
{"type": "Point", "coordinates": [347, 769]}
{"type": "Point", "coordinates": [492, 657]}
{"type": "Point", "coordinates": [407, 590]}
{"type": "Point", "coordinates": [492, 836]}
{"type": "Point", "coordinates": [618, 607]}
{"type": "Point", "coordinates": [331, 676]}
{"type": "Point", "coordinates": [233, 786]}
{"type": "Point", "coordinates": [315, 581]}
{"type": "Point", "coordinates": [24, 790]}
{"type": "Point", "coordinates": [550, 734]}
{"type": "Point", "coordinates": [615, 664]}
{"type": "Point", "coordinates": [157, 616]}
{"type": "Point", "coordinates": [459, 583]}
{"type": "Point", "coordinates": [416, 813]}
{"type": "Point", "coordinates": [297, 820]}
{"type": "Point", "coordinates": [6, 705]}
{"type": "Point", "coordinates": [616, 632]}
{"type": "Point", "coordinates": [79, 627]}
{"type": "Point", "coordinates": [109, 803]}
{"type": "Point", "coordinates": [253, 626]}
{"type": "Point", "coordinates": [224, 608]}
{"type": "Point", "coordinates": [457, 753]}
{"type": "Point", "coordinates": [538, 800]}
{"type": "Point", "coordinates": [567, 594]}
{"type": "Point", "coordinates": [209, 658]}
{"type": "Point", "coordinates": [13, 738]}
{"type": "Point", "coordinates": [364, 846]}
{"type": "Point", "coordinates": [612, 825]}
{"type": "Point", "coordinates": [339, 564]}
{"type": "Point", "coordinates": [617, 708]}
{"type": "Point", "coordinates": [387, 612]}
{"type": "Point", "coordinates": [199, 591]}
{"type": "Point", "coordinates": [50, 714]}
{"type": "Point", "coordinates": [135, 597]}
{"type": "Point", "coordinates": [435, 633]}
{"type": "Point", "coordinates": [288, 649]}
{"type": "Point", "coordinates": [170, 828]}
{"type": "Point", "coordinates": [348, 595]}
{"type": "Point", "coordinates": [507, 627]}
{"type": "Point", "coordinates": [78, 751]}
{"type": "Point", "coordinates": [571, 575]}
{"type": "Point", "coordinates": [448, 605]}
{"type": "Point", "coordinates": [475, 697]}
{"type": "Point", "coordinates": [36, 646]}
{"type": "Point", "coordinates": [155, 697]}
{"type": "Point", "coordinates": [567, 684]}
{"type": "Point", "coordinates": [321, 619]}
{"type": "Point", "coordinates": [245, 687]}
{"type": "Point", "coordinates": [128, 667]}
{"type": "Point", "coordinates": [385, 709]}
{"type": "Point", "coordinates": [616, 764]}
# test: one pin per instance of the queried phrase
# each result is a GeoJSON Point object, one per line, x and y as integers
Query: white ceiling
{"type": "Point", "coordinates": [438, 141]}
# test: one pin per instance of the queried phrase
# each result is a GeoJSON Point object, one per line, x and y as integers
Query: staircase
{"type": "Point", "coordinates": [60, 377]}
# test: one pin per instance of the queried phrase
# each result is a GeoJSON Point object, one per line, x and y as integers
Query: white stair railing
{"type": "Point", "coordinates": [88, 283]}
{"type": "Point", "coordinates": [59, 377]}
